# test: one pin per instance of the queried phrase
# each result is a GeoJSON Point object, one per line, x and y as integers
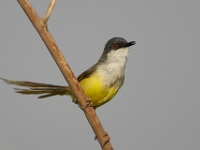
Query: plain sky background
{"type": "Point", "coordinates": [158, 108]}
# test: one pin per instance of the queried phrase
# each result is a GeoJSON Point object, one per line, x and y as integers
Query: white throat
{"type": "Point", "coordinates": [119, 56]}
{"type": "Point", "coordinates": [113, 68]}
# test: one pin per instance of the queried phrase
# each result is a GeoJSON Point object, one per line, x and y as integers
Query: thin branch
{"type": "Point", "coordinates": [40, 26]}
{"type": "Point", "coordinates": [49, 10]}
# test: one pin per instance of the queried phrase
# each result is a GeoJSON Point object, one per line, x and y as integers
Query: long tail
{"type": "Point", "coordinates": [46, 90]}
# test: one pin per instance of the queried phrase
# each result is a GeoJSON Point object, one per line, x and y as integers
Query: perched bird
{"type": "Point", "coordinates": [100, 82]}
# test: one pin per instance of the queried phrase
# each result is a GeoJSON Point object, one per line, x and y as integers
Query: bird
{"type": "Point", "coordinates": [100, 83]}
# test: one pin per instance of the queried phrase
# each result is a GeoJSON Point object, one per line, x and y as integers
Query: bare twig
{"type": "Point", "coordinates": [49, 10]}
{"type": "Point", "coordinates": [40, 26]}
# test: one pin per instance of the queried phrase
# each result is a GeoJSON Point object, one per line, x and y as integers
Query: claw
{"type": "Point", "coordinates": [88, 104]}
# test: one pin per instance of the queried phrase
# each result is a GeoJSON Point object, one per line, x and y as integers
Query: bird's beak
{"type": "Point", "coordinates": [131, 43]}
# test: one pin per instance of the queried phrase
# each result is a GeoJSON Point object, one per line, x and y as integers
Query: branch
{"type": "Point", "coordinates": [41, 27]}
{"type": "Point", "coordinates": [49, 10]}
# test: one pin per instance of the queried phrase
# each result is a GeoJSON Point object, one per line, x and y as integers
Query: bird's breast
{"type": "Point", "coordinates": [111, 71]}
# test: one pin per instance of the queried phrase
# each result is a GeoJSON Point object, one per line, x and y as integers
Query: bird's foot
{"type": "Point", "coordinates": [88, 104]}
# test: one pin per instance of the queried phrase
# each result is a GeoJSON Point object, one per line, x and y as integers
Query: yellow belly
{"type": "Point", "coordinates": [95, 90]}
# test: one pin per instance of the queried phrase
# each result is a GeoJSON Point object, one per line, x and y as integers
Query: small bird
{"type": "Point", "coordinates": [100, 82]}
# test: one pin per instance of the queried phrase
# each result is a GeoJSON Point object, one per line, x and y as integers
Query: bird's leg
{"type": "Point", "coordinates": [83, 107]}
{"type": "Point", "coordinates": [88, 104]}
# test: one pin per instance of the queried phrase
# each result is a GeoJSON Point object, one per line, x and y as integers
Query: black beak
{"type": "Point", "coordinates": [131, 43]}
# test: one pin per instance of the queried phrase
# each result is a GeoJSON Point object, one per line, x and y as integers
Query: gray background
{"type": "Point", "coordinates": [156, 109]}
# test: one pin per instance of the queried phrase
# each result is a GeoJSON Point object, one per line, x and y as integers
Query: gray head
{"type": "Point", "coordinates": [115, 44]}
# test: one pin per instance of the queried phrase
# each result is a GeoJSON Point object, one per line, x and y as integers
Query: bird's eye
{"type": "Point", "coordinates": [115, 46]}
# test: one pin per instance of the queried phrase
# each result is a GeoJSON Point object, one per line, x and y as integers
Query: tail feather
{"type": "Point", "coordinates": [40, 88]}
{"type": "Point", "coordinates": [29, 84]}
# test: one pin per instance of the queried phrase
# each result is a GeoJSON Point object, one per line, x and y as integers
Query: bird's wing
{"type": "Point", "coordinates": [87, 73]}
